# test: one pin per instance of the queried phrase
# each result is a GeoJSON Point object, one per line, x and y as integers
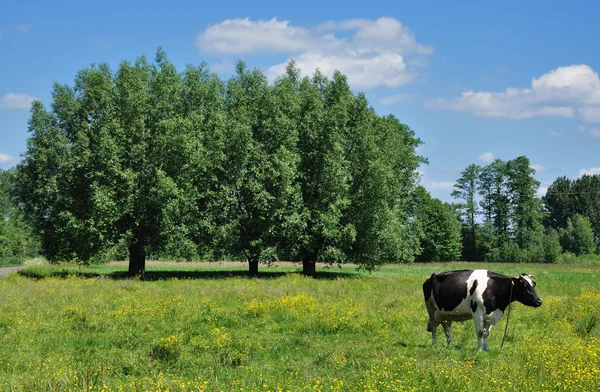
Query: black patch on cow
{"type": "Point", "coordinates": [497, 292]}
{"type": "Point", "coordinates": [475, 283]}
{"type": "Point", "coordinates": [473, 306]}
{"type": "Point", "coordinates": [450, 288]}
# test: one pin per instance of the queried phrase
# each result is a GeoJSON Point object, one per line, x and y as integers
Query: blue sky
{"type": "Point", "coordinates": [475, 80]}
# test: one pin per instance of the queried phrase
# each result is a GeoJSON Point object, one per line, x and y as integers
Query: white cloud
{"type": "Point", "coordinates": [537, 167]}
{"type": "Point", "coordinates": [5, 158]}
{"type": "Point", "coordinates": [486, 157]}
{"type": "Point", "coordinates": [595, 132]}
{"type": "Point", "coordinates": [441, 185]}
{"type": "Point", "coordinates": [555, 133]}
{"type": "Point", "coordinates": [371, 53]}
{"type": "Point", "coordinates": [392, 99]}
{"type": "Point", "coordinates": [541, 192]}
{"type": "Point", "coordinates": [571, 91]}
{"type": "Point", "coordinates": [23, 28]}
{"type": "Point", "coordinates": [16, 101]}
{"type": "Point", "coordinates": [239, 36]}
{"type": "Point", "coordinates": [592, 171]}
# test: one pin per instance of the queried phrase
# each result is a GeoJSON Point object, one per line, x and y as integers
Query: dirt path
{"type": "Point", "coordinates": [5, 271]}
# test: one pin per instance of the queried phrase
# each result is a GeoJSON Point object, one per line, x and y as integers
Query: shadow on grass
{"type": "Point", "coordinates": [35, 273]}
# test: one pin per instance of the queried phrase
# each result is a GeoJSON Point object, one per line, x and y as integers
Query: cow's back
{"type": "Point", "coordinates": [450, 288]}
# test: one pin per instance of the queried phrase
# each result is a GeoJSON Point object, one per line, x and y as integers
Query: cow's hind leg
{"type": "Point", "coordinates": [448, 331]}
{"type": "Point", "coordinates": [432, 327]}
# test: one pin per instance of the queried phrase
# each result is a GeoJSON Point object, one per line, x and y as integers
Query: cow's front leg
{"type": "Point", "coordinates": [486, 333]}
{"type": "Point", "coordinates": [448, 331]}
{"type": "Point", "coordinates": [479, 330]}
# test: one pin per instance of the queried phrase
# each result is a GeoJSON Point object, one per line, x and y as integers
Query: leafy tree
{"type": "Point", "coordinates": [16, 238]}
{"type": "Point", "coordinates": [264, 159]}
{"type": "Point", "coordinates": [565, 198]}
{"type": "Point", "coordinates": [578, 236]}
{"type": "Point", "coordinates": [465, 189]}
{"type": "Point", "coordinates": [101, 168]}
{"type": "Point", "coordinates": [558, 202]}
{"type": "Point", "coordinates": [525, 209]}
{"type": "Point", "coordinates": [495, 198]}
{"type": "Point", "coordinates": [323, 170]}
{"type": "Point", "coordinates": [586, 197]}
{"type": "Point", "coordinates": [441, 236]}
{"type": "Point", "coordinates": [383, 165]}
{"type": "Point", "coordinates": [551, 246]}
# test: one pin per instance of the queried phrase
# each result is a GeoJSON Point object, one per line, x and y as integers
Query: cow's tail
{"type": "Point", "coordinates": [427, 292]}
{"type": "Point", "coordinates": [427, 287]}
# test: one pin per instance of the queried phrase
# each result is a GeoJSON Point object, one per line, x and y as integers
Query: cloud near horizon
{"type": "Point", "coordinates": [371, 53]}
{"type": "Point", "coordinates": [6, 159]}
{"type": "Point", "coordinates": [590, 172]}
{"type": "Point", "coordinates": [571, 91]}
{"type": "Point", "coordinates": [486, 157]}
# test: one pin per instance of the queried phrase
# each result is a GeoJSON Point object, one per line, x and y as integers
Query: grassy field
{"type": "Point", "coordinates": [210, 328]}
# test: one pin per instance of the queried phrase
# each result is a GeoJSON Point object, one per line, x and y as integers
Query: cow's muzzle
{"type": "Point", "coordinates": [537, 303]}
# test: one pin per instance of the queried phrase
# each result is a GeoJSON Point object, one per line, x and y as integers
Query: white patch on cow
{"type": "Point", "coordinates": [463, 311]}
{"type": "Point", "coordinates": [528, 279]}
{"type": "Point", "coordinates": [494, 317]}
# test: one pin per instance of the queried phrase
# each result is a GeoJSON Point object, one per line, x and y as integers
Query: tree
{"type": "Point", "coordinates": [465, 189]}
{"type": "Point", "coordinates": [264, 160]}
{"type": "Point", "coordinates": [565, 198]}
{"type": "Point", "coordinates": [323, 170]}
{"type": "Point", "coordinates": [586, 197]}
{"type": "Point", "coordinates": [16, 238]}
{"type": "Point", "coordinates": [441, 235]}
{"type": "Point", "coordinates": [101, 167]}
{"type": "Point", "coordinates": [558, 202]}
{"type": "Point", "coordinates": [578, 236]}
{"type": "Point", "coordinates": [525, 211]}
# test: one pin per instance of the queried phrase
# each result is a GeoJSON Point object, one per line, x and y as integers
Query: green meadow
{"type": "Point", "coordinates": [211, 328]}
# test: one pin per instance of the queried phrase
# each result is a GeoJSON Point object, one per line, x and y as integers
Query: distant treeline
{"type": "Point", "coordinates": [146, 161]}
{"type": "Point", "coordinates": [502, 219]}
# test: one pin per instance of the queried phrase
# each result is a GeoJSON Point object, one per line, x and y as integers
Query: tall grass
{"type": "Point", "coordinates": [350, 331]}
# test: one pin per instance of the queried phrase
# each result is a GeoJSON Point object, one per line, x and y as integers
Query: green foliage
{"type": "Point", "coordinates": [512, 215]}
{"type": "Point", "coordinates": [440, 239]}
{"type": "Point", "coordinates": [16, 238]}
{"type": "Point", "coordinates": [565, 198]}
{"type": "Point", "coordinates": [465, 189]}
{"type": "Point", "coordinates": [578, 236]}
{"type": "Point", "coordinates": [551, 246]}
{"type": "Point", "coordinates": [151, 162]}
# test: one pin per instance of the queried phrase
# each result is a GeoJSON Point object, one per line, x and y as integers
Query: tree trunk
{"type": "Point", "coordinates": [137, 259]}
{"type": "Point", "coordinates": [253, 267]}
{"type": "Point", "coordinates": [309, 268]}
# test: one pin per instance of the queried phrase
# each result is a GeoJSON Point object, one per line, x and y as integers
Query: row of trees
{"type": "Point", "coordinates": [157, 162]}
{"type": "Point", "coordinates": [503, 219]}
{"type": "Point", "coordinates": [149, 161]}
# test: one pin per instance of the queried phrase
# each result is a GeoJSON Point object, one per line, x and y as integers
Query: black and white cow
{"type": "Point", "coordinates": [478, 294]}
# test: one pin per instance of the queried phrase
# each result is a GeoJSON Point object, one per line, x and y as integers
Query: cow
{"type": "Point", "coordinates": [478, 294]}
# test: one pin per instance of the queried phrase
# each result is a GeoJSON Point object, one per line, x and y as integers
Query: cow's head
{"type": "Point", "coordinates": [524, 290]}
